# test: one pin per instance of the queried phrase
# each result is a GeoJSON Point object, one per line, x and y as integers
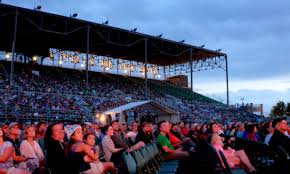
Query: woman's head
{"type": "Point", "coordinates": [251, 128]}
{"type": "Point", "coordinates": [214, 128]}
{"type": "Point", "coordinates": [89, 139]}
{"type": "Point", "coordinates": [108, 130]}
{"type": "Point", "coordinates": [55, 131]}
{"type": "Point", "coordinates": [29, 132]}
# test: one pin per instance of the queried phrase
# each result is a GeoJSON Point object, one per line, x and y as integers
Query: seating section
{"type": "Point", "coordinates": [149, 160]}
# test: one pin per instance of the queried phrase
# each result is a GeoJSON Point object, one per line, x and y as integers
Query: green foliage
{"type": "Point", "coordinates": [279, 109]}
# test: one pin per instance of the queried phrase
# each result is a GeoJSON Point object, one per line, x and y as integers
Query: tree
{"type": "Point", "coordinates": [278, 109]}
{"type": "Point", "coordinates": [287, 110]}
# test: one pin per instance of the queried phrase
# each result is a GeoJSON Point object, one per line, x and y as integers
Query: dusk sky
{"type": "Point", "coordinates": [254, 34]}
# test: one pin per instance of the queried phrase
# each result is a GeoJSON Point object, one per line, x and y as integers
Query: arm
{"type": "Point", "coordinates": [110, 145]}
{"type": "Point", "coordinates": [18, 158]}
{"type": "Point", "coordinates": [7, 154]}
{"type": "Point", "coordinates": [93, 156]}
{"type": "Point", "coordinates": [167, 150]}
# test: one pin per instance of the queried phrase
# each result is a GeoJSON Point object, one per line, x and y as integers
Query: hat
{"type": "Point", "coordinates": [13, 124]}
{"type": "Point", "coordinates": [277, 120]}
{"type": "Point", "coordinates": [70, 129]}
{"type": "Point", "coordinates": [88, 123]}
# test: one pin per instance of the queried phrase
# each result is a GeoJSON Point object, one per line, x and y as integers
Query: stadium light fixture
{"type": "Point", "coordinates": [97, 116]}
{"type": "Point", "coordinates": [218, 50]}
{"type": "Point", "coordinates": [202, 46]}
{"type": "Point", "coordinates": [74, 15]}
{"type": "Point", "coordinates": [37, 8]}
{"type": "Point", "coordinates": [182, 41]}
{"type": "Point", "coordinates": [34, 58]}
{"type": "Point", "coordinates": [7, 56]}
{"type": "Point", "coordinates": [102, 118]}
{"type": "Point", "coordinates": [160, 35]}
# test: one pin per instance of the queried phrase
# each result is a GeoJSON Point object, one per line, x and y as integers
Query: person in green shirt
{"type": "Point", "coordinates": [169, 151]}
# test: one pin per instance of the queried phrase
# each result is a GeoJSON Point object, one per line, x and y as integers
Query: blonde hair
{"type": "Point", "coordinates": [26, 132]}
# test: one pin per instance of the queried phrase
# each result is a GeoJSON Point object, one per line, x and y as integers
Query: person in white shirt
{"type": "Point", "coordinates": [134, 131]}
{"type": "Point", "coordinates": [270, 133]}
{"type": "Point", "coordinates": [31, 150]}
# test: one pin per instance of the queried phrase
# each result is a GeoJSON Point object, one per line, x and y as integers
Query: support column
{"type": "Point", "coordinates": [191, 71]}
{"type": "Point", "coordinates": [146, 80]}
{"type": "Point", "coordinates": [118, 67]}
{"type": "Point", "coordinates": [227, 79]}
{"type": "Point", "coordinates": [13, 48]}
{"type": "Point", "coordinates": [164, 72]}
{"type": "Point", "coordinates": [87, 59]}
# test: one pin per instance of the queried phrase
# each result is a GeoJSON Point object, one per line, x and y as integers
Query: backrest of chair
{"type": "Point", "coordinates": [145, 154]}
{"type": "Point", "coordinates": [150, 152]}
{"type": "Point", "coordinates": [214, 158]}
{"type": "Point", "coordinates": [156, 150]}
{"type": "Point", "coordinates": [139, 158]}
{"type": "Point", "coordinates": [225, 162]}
{"type": "Point", "coordinates": [130, 163]}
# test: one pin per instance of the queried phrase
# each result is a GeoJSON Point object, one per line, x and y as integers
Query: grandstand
{"type": "Point", "coordinates": [36, 89]}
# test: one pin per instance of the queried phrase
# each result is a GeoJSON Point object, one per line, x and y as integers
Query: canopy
{"type": "Point", "coordinates": [162, 112]}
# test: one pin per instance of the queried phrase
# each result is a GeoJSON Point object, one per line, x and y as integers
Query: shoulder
{"type": "Point", "coordinates": [8, 144]}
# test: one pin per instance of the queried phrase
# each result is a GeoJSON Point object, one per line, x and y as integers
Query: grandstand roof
{"type": "Point", "coordinates": [38, 31]}
{"type": "Point", "coordinates": [149, 104]}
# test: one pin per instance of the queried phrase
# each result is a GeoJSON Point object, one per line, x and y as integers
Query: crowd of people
{"type": "Point", "coordinates": [38, 91]}
{"type": "Point", "coordinates": [94, 148]}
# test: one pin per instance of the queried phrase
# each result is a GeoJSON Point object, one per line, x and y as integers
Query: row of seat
{"type": "Point", "coordinates": [149, 160]}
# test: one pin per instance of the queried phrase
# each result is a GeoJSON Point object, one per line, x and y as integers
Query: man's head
{"type": "Point", "coordinates": [134, 126]}
{"type": "Point", "coordinates": [123, 127]}
{"type": "Point", "coordinates": [164, 127]}
{"type": "Point", "coordinates": [115, 125]}
{"type": "Point", "coordinates": [280, 124]}
{"type": "Point", "coordinates": [175, 127]}
{"type": "Point", "coordinates": [147, 127]}
{"type": "Point", "coordinates": [14, 129]}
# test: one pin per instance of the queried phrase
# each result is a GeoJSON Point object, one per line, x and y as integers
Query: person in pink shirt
{"type": "Point", "coordinates": [234, 158]}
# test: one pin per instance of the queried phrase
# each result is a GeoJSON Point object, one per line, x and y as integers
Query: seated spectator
{"type": "Point", "coordinates": [145, 134]}
{"type": "Point", "coordinates": [185, 129]}
{"type": "Point", "coordinates": [55, 147]}
{"type": "Point", "coordinates": [241, 130]}
{"type": "Point", "coordinates": [133, 132]}
{"type": "Point", "coordinates": [89, 139]}
{"type": "Point", "coordinates": [163, 141]}
{"type": "Point", "coordinates": [234, 158]}
{"type": "Point", "coordinates": [108, 144]}
{"type": "Point", "coordinates": [270, 132]}
{"type": "Point", "coordinates": [31, 149]}
{"type": "Point", "coordinates": [193, 132]}
{"type": "Point", "coordinates": [120, 139]}
{"type": "Point", "coordinates": [4, 128]}
{"type": "Point", "coordinates": [40, 132]}
{"type": "Point", "coordinates": [252, 133]}
{"type": "Point", "coordinates": [279, 138]}
{"type": "Point", "coordinates": [13, 135]}
{"type": "Point", "coordinates": [6, 161]}
{"type": "Point", "coordinates": [81, 158]}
